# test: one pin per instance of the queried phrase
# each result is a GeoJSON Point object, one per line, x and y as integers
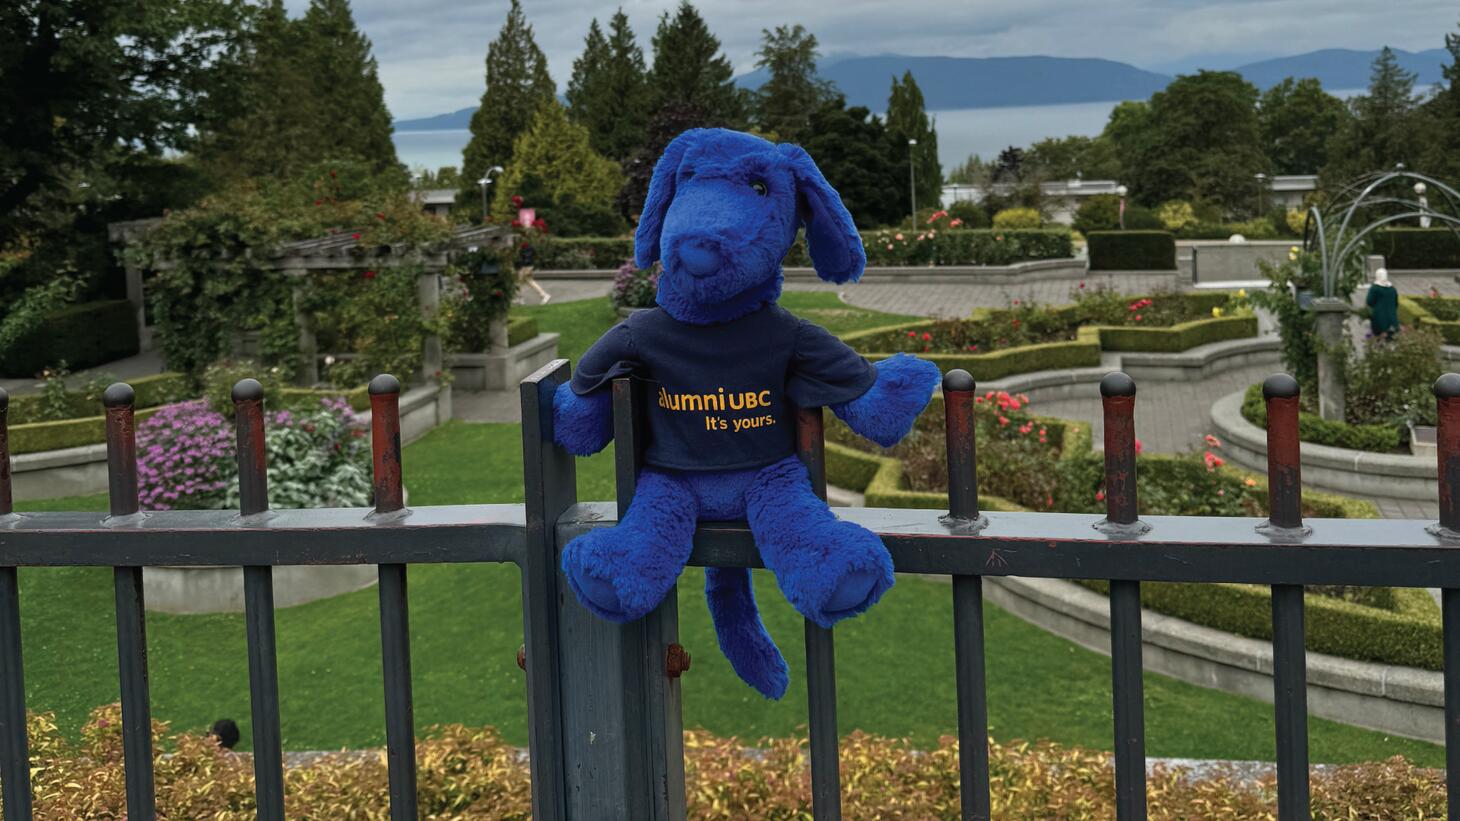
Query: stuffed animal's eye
{"type": "Point", "coordinates": [758, 187]}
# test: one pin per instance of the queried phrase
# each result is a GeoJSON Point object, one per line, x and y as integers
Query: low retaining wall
{"type": "Point", "coordinates": [1400, 700]}
{"type": "Point", "coordinates": [190, 590]}
{"type": "Point", "coordinates": [502, 371]}
{"type": "Point", "coordinates": [82, 470]}
{"type": "Point", "coordinates": [1339, 470]}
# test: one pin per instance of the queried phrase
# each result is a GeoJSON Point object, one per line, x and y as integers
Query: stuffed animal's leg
{"type": "Point", "coordinates": [743, 637]}
{"type": "Point", "coordinates": [828, 569]}
{"type": "Point", "coordinates": [621, 573]}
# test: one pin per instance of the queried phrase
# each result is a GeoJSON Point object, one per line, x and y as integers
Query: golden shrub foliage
{"type": "Point", "coordinates": [467, 773]}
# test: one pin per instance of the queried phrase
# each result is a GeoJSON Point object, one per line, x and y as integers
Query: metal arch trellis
{"type": "Point", "coordinates": [1360, 194]}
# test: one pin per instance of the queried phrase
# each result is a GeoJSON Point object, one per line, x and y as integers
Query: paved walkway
{"type": "Point", "coordinates": [143, 364]}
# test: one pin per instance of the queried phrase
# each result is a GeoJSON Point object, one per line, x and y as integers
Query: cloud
{"type": "Point", "coordinates": [431, 52]}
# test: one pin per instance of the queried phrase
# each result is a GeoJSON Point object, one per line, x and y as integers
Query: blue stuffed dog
{"type": "Point", "coordinates": [726, 367]}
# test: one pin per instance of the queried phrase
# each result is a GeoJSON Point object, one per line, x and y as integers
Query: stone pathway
{"type": "Point", "coordinates": [143, 364]}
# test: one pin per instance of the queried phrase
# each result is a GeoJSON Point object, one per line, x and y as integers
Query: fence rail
{"type": "Point", "coordinates": [604, 724]}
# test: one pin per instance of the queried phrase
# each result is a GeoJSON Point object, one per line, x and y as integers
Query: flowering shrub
{"type": "Point", "coordinates": [486, 285]}
{"type": "Point", "coordinates": [187, 458]}
{"type": "Point", "coordinates": [1011, 218]}
{"type": "Point", "coordinates": [956, 245]}
{"type": "Point", "coordinates": [634, 287]}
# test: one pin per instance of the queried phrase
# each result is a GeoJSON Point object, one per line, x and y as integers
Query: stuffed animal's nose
{"type": "Point", "coordinates": [700, 257]}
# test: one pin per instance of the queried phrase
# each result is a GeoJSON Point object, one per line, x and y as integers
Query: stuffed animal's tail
{"type": "Point", "coordinates": [743, 637]}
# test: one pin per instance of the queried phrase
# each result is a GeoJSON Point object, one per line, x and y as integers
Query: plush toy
{"type": "Point", "coordinates": [726, 367]}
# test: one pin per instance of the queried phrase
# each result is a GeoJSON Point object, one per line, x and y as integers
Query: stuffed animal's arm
{"type": "Point", "coordinates": [885, 413]}
{"type": "Point", "coordinates": [582, 424]}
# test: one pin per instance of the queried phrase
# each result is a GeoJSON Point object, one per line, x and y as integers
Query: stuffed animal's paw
{"type": "Point", "coordinates": [582, 424]}
{"type": "Point", "coordinates": [886, 412]}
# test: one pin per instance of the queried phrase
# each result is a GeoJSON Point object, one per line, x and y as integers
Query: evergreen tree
{"type": "Point", "coordinates": [517, 86]}
{"type": "Point", "coordinates": [1442, 158]}
{"type": "Point", "coordinates": [785, 103]}
{"type": "Point", "coordinates": [1298, 118]}
{"type": "Point", "coordinates": [690, 71]}
{"type": "Point", "coordinates": [609, 91]}
{"type": "Point", "coordinates": [349, 118]}
{"type": "Point", "coordinates": [553, 161]}
{"type": "Point", "coordinates": [1386, 127]}
{"type": "Point", "coordinates": [907, 120]}
{"type": "Point", "coordinates": [860, 159]}
{"type": "Point", "coordinates": [667, 123]}
{"type": "Point", "coordinates": [1065, 158]}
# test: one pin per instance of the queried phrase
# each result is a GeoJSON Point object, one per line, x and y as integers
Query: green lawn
{"type": "Point", "coordinates": [895, 664]}
{"type": "Point", "coordinates": [580, 323]}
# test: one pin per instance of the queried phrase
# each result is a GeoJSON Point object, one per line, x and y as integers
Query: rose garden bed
{"type": "Point", "coordinates": [994, 343]}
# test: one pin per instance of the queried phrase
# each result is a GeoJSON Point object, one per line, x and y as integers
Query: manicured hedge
{"type": "Point", "coordinates": [963, 247]}
{"type": "Point", "coordinates": [158, 389]}
{"type": "Point", "coordinates": [1418, 248]}
{"type": "Point", "coordinates": [520, 329]}
{"type": "Point", "coordinates": [1441, 314]}
{"type": "Point", "coordinates": [92, 333]}
{"type": "Point", "coordinates": [67, 433]}
{"type": "Point", "coordinates": [1179, 337]}
{"type": "Point", "coordinates": [1314, 428]}
{"type": "Point", "coordinates": [1409, 635]}
{"type": "Point", "coordinates": [1132, 251]}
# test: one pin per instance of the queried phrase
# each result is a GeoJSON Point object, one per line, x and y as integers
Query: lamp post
{"type": "Point", "coordinates": [912, 186]}
{"type": "Point", "coordinates": [1121, 191]}
{"type": "Point", "coordinates": [1424, 205]}
{"type": "Point", "coordinates": [484, 182]}
{"type": "Point", "coordinates": [1261, 184]}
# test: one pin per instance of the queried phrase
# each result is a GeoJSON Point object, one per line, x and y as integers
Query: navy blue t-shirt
{"type": "Point", "coordinates": [723, 397]}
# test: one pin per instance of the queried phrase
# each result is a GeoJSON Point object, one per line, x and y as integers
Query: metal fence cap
{"type": "Point", "coordinates": [247, 389]}
{"type": "Point", "coordinates": [958, 380]}
{"type": "Point", "coordinates": [1117, 383]}
{"type": "Point", "coordinates": [384, 383]}
{"type": "Point", "coordinates": [118, 394]}
{"type": "Point", "coordinates": [1279, 386]}
{"type": "Point", "coordinates": [1447, 386]}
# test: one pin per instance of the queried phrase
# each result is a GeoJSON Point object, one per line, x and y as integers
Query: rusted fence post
{"type": "Point", "coordinates": [1447, 440]}
{"type": "Point", "coordinates": [14, 747]}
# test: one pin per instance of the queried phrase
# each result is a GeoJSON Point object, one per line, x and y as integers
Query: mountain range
{"type": "Point", "coordinates": [991, 82]}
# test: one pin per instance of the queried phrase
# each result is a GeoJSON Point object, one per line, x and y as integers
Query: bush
{"type": "Point", "coordinates": [635, 287]}
{"type": "Point", "coordinates": [1417, 248]}
{"type": "Point", "coordinates": [1176, 214]}
{"type": "Point", "coordinates": [81, 336]}
{"type": "Point", "coordinates": [1319, 431]}
{"type": "Point", "coordinates": [971, 213]}
{"type": "Point", "coordinates": [1390, 383]}
{"type": "Point", "coordinates": [79, 403]}
{"type": "Point", "coordinates": [520, 329]}
{"type": "Point", "coordinates": [1256, 228]}
{"type": "Point", "coordinates": [1013, 218]}
{"type": "Point", "coordinates": [1132, 251]}
{"type": "Point", "coordinates": [583, 253]}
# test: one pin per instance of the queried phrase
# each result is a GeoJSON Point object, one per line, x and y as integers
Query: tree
{"type": "Point", "coordinates": [972, 171]}
{"type": "Point", "coordinates": [1385, 129]}
{"type": "Point", "coordinates": [1442, 158]}
{"type": "Point", "coordinates": [860, 159]}
{"type": "Point", "coordinates": [784, 105]}
{"type": "Point", "coordinates": [1198, 140]}
{"type": "Point", "coordinates": [609, 91]}
{"type": "Point", "coordinates": [517, 86]}
{"type": "Point", "coordinates": [349, 118]}
{"type": "Point", "coordinates": [690, 71]}
{"type": "Point", "coordinates": [1298, 118]}
{"type": "Point", "coordinates": [907, 120]}
{"type": "Point", "coordinates": [1068, 158]}
{"type": "Point", "coordinates": [554, 161]}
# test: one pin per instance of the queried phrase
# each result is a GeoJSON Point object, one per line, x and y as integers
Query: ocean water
{"type": "Point", "coordinates": [961, 132]}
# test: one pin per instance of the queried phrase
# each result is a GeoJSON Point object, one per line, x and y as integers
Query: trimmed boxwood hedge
{"type": "Point", "coordinates": [84, 335]}
{"type": "Point", "coordinates": [1319, 431]}
{"type": "Point", "coordinates": [520, 329]}
{"type": "Point", "coordinates": [1132, 250]}
{"type": "Point", "coordinates": [1440, 314]}
{"type": "Point", "coordinates": [1417, 248]}
{"type": "Point", "coordinates": [158, 389]}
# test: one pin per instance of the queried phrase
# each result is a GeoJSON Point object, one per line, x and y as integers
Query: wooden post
{"type": "Point", "coordinates": [428, 293]}
{"type": "Point", "coordinates": [308, 374]}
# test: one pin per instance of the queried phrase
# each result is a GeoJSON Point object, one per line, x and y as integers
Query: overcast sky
{"type": "Point", "coordinates": [431, 52]}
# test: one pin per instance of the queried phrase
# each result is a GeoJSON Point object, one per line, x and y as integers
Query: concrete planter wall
{"type": "Point", "coordinates": [1400, 700]}
{"type": "Point", "coordinates": [220, 589]}
{"type": "Point", "coordinates": [1340, 470]}
{"type": "Point", "coordinates": [497, 371]}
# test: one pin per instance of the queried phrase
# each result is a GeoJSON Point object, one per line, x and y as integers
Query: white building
{"type": "Point", "coordinates": [438, 201]}
{"type": "Point", "coordinates": [1063, 198]}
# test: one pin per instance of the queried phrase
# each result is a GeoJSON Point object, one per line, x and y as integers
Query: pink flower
{"type": "Point", "coordinates": [927, 337]}
{"type": "Point", "coordinates": [1139, 446]}
{"type": "Point", "coordinates": [1212, 441]}
{"type": "Point", "coordinates": [1003, 421]}
{"type": "Point", "coordinates": [897, 236]}
{"type": "Point", "coordinates": [1100, 495]}
{"type": "Point", "coordinates": [956, 222]}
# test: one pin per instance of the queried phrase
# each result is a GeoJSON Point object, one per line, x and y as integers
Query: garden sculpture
{"type": "Point", "coordinates": [725, 368]}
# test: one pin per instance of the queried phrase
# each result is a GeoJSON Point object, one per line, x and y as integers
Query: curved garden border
{"type": "Point", "coordinates": [1340, 470]}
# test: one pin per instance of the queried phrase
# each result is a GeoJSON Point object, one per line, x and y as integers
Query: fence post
{"type": "Point", "coordinates": [14, 746]}
{"type": "Point", "coordinates": [1447, 440]}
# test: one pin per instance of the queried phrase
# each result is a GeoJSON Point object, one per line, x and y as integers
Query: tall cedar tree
{"type": "Point", "coordinates": [350, 120]}
{"type": "Point", "coordinates": [790, 96]}
{"type": "Point", "coordinates": [690, 71]}
{"type": "Point", "coordinates": [554, 163]}
{"type": "Point", "coordinates": [907, 120]}
{"type": "Point", "coordinates": [1442, 159]}
{"type": "Point", "coordinates": [1385, 128]}
{"type": "Point", "coordinates": [1298, 118]}
{"type": "Point", "coordinates": [860, 159]}
{"type": "Point", "coordinates": [517, 86]}
{"type": "Point", "coordinates": [667, 123]}
{"type": "Point", "coordinates": [609, 91]}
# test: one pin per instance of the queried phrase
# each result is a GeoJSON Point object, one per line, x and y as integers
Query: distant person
{"type": "Point", "coordinates": [226, 731]}
{"type": "Point", "coordinates": [526, 259]}
{"type": "Point", "coordinates": [1383, 303]}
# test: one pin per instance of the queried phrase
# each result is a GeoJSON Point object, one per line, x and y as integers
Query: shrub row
{"type": "Point", "coordinates": [520, 329]}
{"type": "Point", "coordinates": [1180, 337]}
{"type": "Point", "coordinates": [957, 247]}
{"type": "Point", "coordinates": [1409, 635]}
{"type": "Point", "coordinates": [473, 773]}
{"type": "Point", "coordinates": [1440, 314]}
{"type": "Point", "coordinates": [1314, 428]}
{"type": "Point", "coordinates": [1418, 248]}
{"type": "Point", "coordinates": [158, 389]}
{"type": "Point", "coordinates": [1131, 251]}
{"type": "Point", "coordinates": [91, 333]}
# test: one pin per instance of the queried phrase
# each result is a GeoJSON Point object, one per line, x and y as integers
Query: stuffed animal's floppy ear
{"type": "Point", "coordinates": [661, 193]}
{"type": "Point", "coordinates": [832, 239]}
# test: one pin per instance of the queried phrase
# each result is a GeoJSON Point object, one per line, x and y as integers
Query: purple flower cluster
{"type": "Point", "coordinates": [185, 454]}
{"type": "Point", "coordinates": [634, 287]}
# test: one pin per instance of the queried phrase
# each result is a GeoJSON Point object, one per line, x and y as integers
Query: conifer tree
{"type": "Point", "coordinates": [517, 86]}
{"type": "Point", "coordinates": [554, 160]}
{"type": "Point", "coordinates": [608, 94]}
{"type": "Point", "coordinates": [785, 103]}
{"type": "Point", "coordinates": [346, 101]}
{"type": "Point", "coordinates": [690, 71]}
{"type": "Point", "coordinates": [908, 120]}
{"type": "Point", "coordinates": [1385, 128]}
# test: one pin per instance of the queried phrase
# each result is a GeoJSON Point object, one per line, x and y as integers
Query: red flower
{"type": "Point", "coordinates": [318, 202]}
{"type": "Point", "coordinates": [370, 275]}
{"type": "Point", "coordinates": [332, 173]}
{"type": "Point", "coordinates": [1016, 323]}
{"type": "Point", "coordinates": [1003, 421]}
{"type": "Point", "coordinates": [912, 333]}
{"type": "Point", "coordinates": [1016, 302]}
{"type": "Point", "coordinates": [927, 337]}
{"type": "Point", "coordinates": [1138, 317]}
{"type": "Point", "coordinates": [1082, 286]}
{"type": "Point", "coordinates": [354, 236]}
{"type": "Point", "coordinates": [1139, 446]}
{"type": "Point", "coordinates": [1212, 441]}
{"type": "Point", "coordinates": [1100, 495]}
{"type": "Point", "coordinates": [516, 201]}
{"type": "Point", "coordinates": [380, 215]}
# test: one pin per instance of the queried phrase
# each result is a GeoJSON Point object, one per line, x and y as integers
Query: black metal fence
{"type": "Point", "coordinates": [604, 722]}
